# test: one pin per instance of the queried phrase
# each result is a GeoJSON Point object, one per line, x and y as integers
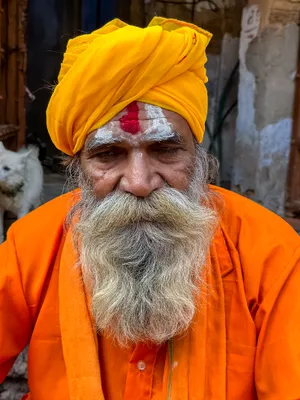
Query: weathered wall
{"type": "Point", "coordinates": [228, 60]}
{"type": "Point", "coordinates": [217, 16]}
{"type": "Point", "coordinates": [268, 60]}
{"type": "Point", "coordinates": [285, 11]}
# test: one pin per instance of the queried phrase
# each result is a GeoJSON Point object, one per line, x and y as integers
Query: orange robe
{"type": "Point", "coordinates": [244, 343]}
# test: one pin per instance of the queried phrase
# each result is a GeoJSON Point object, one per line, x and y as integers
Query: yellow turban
{"type": "Point", "coordinates": [103, 72]}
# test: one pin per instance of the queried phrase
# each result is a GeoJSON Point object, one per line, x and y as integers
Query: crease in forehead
{"type": "Point", "coordinates": [157, 129]}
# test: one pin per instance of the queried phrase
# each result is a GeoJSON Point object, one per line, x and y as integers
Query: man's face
{"type": "Point", "coordinates": [144, 148]}
{"type": "Point", "coordinates": [145, 224]}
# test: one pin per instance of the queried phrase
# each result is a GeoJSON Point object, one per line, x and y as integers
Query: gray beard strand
{"type": "Point", "coordinates": [144, 292]}
{"type": "Point", "coordinates": [144, 278]}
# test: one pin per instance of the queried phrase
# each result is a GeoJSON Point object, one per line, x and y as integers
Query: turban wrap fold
{"type": "Point", "coordinates": [103, 72]}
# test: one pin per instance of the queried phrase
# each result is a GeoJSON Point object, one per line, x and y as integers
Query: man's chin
{"type": "Point", "coordinates": [144, 222]}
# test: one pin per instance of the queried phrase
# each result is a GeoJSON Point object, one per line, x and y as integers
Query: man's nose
{"type": "Point", "coordinates": [139, 177]}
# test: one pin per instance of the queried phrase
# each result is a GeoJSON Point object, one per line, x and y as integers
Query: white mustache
{"type": "Point", "coordinates": [165, 206]}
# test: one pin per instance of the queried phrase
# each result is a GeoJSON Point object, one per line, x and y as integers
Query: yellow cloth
{"type": "Point", "coordinates": [103, 72]}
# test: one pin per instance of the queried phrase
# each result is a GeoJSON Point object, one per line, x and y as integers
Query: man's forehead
{"type": "Point", "coordinates": [143, 112]}
{"type": "Point", "coordinates": [137, 123]}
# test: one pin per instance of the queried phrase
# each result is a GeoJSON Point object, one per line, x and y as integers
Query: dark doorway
{"type": "Point", "coordinates": [51, 23]}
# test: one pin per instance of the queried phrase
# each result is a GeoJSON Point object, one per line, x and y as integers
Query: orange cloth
{"type": "Point", "coordinates": [103, 72]}
{"type": "Point", "coordinates": [244, 343]}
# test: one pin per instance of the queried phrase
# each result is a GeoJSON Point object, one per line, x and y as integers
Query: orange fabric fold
{"type": "Point", "coordinates": [79, 338]}
{"type": "Point", "coordinates": [203, 348]}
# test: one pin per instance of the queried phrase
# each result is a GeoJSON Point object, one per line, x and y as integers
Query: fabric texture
{"type": "Point", "coordinates": [244, 342]}
{"type": "Point", "coordinates": [103, 72]}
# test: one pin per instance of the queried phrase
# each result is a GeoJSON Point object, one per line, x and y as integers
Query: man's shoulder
{"type": "Point", "coordinates": [242, 217]}
{"type": "Point", "coordinates": [264, 242]}
{"type": "Point", "coordinates": [46, 219]}
{"type": "Point", "coordinates": [235, 204]}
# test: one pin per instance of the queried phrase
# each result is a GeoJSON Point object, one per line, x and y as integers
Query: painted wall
{"type": "Point", "coordinates": [268, 61]}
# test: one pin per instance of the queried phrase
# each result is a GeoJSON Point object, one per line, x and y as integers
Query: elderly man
{"type": "Point", "coordinates": [147, 283]}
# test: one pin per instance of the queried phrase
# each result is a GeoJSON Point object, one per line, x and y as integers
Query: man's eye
{"type": "Point", "coordinates": [109, 154]}
{"type": "Point", "coordinates": [167, 150]}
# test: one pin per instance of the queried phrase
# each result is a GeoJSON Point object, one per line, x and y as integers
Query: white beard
{"type": "Point", "coordinates": [142, 260]}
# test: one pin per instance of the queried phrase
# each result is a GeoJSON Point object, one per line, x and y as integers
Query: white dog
{"type": "Point", "coordinates": [21, 182]}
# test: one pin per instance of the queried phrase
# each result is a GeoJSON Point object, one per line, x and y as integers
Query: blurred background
{"type": "Point", "coordinates": [253, 125]}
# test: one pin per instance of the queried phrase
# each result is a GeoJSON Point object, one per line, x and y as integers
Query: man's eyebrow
{"type": "Point", "coordinates": [106, 139]}
{"type": "Point", "coordinates": [102, 140]}
{"type": "Point", "coordinates": [172, 136]}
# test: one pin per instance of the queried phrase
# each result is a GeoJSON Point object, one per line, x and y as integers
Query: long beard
{"type": "Point", "coordinates": [142, 260]}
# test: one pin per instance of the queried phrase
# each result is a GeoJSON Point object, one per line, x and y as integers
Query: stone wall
{"type": "Point", "coordinates": [268, 62]}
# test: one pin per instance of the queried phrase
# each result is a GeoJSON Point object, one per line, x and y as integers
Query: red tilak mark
{"type": "Point", "coordinates": [130, 121]}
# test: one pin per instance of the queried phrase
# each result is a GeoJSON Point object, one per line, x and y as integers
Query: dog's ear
{"type": "Point", "coordinates": [25, 154]}
{"type": "Point", "coordinates": [29, 151]}
{"type": "Point", "coordinates": [2, 146]}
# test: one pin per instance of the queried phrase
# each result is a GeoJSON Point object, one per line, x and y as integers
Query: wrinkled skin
{"type": "Point", "coordinates": [161, 153]}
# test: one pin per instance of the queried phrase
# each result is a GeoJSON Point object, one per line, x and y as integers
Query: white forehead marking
{"type": "Point", "coordinates": [158, 129]}
{"type": "Point", "coordinates": [154, 112]}
{"type": "Point", "coordinates": [106, 135]}
{"type": "Point", "coordinates": [158, 123]}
